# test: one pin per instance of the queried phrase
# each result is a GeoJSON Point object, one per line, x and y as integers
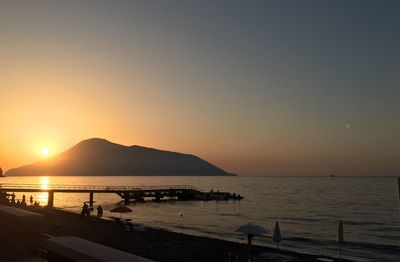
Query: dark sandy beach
{"type": "Point", "coordinates": [20, 237]}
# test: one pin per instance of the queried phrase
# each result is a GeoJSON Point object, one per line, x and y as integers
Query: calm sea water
{"type": "Point", "coordinates": [308, 210]}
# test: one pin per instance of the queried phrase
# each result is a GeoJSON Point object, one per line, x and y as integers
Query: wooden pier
{"type": "Point", "coordinates": [127, 193]}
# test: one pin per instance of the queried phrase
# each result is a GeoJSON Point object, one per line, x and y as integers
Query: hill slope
{"type": "Point", "coordinates": [99, 157]}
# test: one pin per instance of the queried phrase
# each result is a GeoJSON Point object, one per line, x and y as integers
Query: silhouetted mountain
{"type": "Point", "coordinates": [99, 157]}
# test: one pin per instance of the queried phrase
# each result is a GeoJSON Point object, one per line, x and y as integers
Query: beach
{"type": "Point", "coordinates": [20, 239]}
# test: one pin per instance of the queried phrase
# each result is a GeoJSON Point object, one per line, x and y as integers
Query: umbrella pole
{"type": "Point", "coordinates": [340, 251]}
{"type": "Point", "coordinates": [249, 237]}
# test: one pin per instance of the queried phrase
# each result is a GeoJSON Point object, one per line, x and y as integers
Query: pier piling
{"type": "Point", "coordinates": [91, 199]}
{"type": "Point", "coordinates": [50, 199]}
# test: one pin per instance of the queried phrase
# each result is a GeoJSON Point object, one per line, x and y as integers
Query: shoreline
{"type": "Point", "coordinates": [20, 238]}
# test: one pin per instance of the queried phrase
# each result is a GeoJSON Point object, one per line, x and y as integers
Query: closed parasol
{"type": "Point", "coordinates": [340, 238]}
{"type": "Point", "coordinates": [277, 237]}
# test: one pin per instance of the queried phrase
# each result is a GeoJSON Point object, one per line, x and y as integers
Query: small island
{"type": "Point", "coordinates": [100, 157]}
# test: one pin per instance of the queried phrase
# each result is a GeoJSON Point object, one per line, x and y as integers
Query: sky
{"type": "Point", "coordinates": [255, 87]}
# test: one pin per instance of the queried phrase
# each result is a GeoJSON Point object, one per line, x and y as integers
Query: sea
{"type": "Point", "coordinates": [308, 210]}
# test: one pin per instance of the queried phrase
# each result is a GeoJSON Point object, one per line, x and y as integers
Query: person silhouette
{"type": "Point", "coordinates": [85, 207]}
{"type": "Point", "coordinates": [13, 198]}
{"type": "Point", "coordinates": [31, 200]}
{"type": "Point", "coordinates": [99, 211]}
{"type": "Point", "coordinates": [23, 200]}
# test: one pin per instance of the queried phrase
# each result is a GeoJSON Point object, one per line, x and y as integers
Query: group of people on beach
{"type": "Point", "coordinates": [10, 200]}
{"type": "Point", "coordinates": [86, 209]}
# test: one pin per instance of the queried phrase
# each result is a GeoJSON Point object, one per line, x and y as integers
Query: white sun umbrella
{"type": "Point", "coordinates": [277, 237]}
{"type": "Point", "coordinates": [251, 230]}
{"type": "Point", "coordinates": [340, 239]}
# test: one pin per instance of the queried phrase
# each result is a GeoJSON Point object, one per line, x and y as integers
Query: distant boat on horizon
{"type": "Point", "coordinates": [333, 175]}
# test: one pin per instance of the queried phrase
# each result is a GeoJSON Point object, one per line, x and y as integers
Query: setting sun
{"type": "Point", "coordinates": [45, 151]}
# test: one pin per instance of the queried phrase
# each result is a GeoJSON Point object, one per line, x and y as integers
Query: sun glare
{"type": "Point", "coordinates": [45, 151]}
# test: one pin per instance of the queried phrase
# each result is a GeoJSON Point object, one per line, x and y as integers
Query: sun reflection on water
{"type": "Point", "coordinates": [42, 197]}
{"type": "Point", "coordinates": [44, 182]}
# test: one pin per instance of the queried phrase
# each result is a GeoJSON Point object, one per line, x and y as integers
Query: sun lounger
{"type": "Point", "coordinates": [78, 249]}
{"type": "Point", "coordinates": [275, 257]}
{"type": "Point", "coordinates": [18, 212]}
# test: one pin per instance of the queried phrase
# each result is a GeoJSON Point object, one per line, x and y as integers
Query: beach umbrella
{"type": "Point", "coordinates": [251, 230]}
{"type": "Point", "coordinates": [121, 209]}
{"type": "Point", "coordinates": [277, 237]}
{"type": "Point", "coordinates": [340, 238]}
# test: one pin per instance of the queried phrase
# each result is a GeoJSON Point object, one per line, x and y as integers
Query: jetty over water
{"type": "Point", "coordinates": [127, 193]}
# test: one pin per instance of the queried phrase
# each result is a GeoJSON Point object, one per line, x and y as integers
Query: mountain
{"type": "Point", "coordinates": [99, 157]}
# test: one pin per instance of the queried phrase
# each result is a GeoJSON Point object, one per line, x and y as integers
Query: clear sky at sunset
{"type": "Point", "coordinates": [255, 87]}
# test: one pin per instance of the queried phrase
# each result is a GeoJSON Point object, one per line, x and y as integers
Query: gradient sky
{"type": "Point", "coordinates": [256, 87]}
